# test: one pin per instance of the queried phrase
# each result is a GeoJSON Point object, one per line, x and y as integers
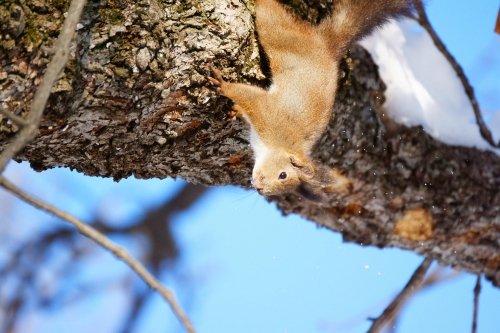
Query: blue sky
{"type": "Point", "coordinates": [245, 268]}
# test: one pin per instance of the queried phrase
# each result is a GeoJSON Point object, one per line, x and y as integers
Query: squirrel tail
{"type": "Point", "coordinates": [351, 20]}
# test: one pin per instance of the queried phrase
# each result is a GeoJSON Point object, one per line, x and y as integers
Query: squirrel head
{"type": "Point", "coordinates": [281, 172]}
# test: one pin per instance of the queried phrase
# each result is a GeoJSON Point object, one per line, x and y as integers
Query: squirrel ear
{"type": "Point", "coordinates": [305, 166]}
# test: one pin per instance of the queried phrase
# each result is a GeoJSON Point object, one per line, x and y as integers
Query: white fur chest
{"type": "Point", "coordinates": [260, 150]}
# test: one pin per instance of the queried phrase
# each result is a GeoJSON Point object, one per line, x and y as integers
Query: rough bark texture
{"type": "Point", "coordinates": [134, 100]}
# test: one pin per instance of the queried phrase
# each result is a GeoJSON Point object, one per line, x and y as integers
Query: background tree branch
{"type": "Point", "coordinates": [391, 311]}
{"type": "Point", "coordinates": [134, 100]}
{"type": "Point", "coordinates": [116, 250]}
{"type": "Point", "coordinates": [477, 292]}
{"type": "Point", "coordinates": [30, 258]}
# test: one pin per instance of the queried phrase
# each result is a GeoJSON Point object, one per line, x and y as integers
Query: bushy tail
{"type": "Point", "coordinates": [351, 20]}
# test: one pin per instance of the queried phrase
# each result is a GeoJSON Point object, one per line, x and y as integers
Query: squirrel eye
{"type": "Point", "coordinates": [282, 175]}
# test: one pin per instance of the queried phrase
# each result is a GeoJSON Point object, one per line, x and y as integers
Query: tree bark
{"type": "Point", "coordinates": [134, 100]}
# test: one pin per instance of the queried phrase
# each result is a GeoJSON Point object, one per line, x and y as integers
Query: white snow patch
{"type": "Point", "coordinates": [422, 88]}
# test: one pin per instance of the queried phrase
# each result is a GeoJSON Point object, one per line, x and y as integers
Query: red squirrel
{"type": "Point", "coordinates": [287, 119]}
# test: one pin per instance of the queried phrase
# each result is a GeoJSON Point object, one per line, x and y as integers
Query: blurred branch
{"type": "Point", "coordinates": [16, 303]}
{"type": "Point", "coordinates": [155, 224]}
{"type": "Point", "coordinates": [19, 121]}
{"type": "Point", "coordinates": [157, 221]}
{"type": "Point", "coordinates": [434, 278]}
{"type": "Point", "coordinates": [437, 276]}
{"type": "Point", "coordinates": [33, 255]}
{"type": "Point", "coordinates": [413, 285]}
{"type": "Point", "coordinates": [393, 324]}
{"type": "Point", "coordinates": [138, 303]}
{"type": "Point", "coordinates": [30, 124]}
{"type": "Point", "coordinates": [477, 291]}
{"type": "Point", "coordinates": [423, 20]}
{"type": "Point", "coordinates": [100, 239]}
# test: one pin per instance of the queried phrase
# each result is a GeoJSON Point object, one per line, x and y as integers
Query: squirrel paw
{"type": "Point", "coordinates": [337, 183]}
{"type": "Point", "coordinates": [236, 111]}
{"type": "Point", "coordinates": [217, 80]}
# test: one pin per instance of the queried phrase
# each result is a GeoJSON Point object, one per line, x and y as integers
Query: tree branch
{"type": "Point", "coordinates": [19, 121]}
{"type": "Point", "coordinates": [30, 126]}
{"type": "Point", "coordinates": [103, 241]}
{"type": "Point", "coordinates": [435, 277]}
{"type": "Point", "coordinates": [477, 291]}
{"type": "Point", "coordinates": [411, 287]}
{"type": "Point", "coordinates": [469, 91]}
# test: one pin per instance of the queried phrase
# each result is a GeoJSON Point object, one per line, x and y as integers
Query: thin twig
{"type": "Point", "coordinates": [469, 91]}
{"type": "Point", "coordinates": [431, 280]}
{"type": "Point", "coordinates": [19, 121]}
{"type": "Point", "coordinates": [102, 240]}
{"type": "Point", "coordinates": [411, 287]}
{"type": "Point", "coordinates": [437, 276]}
{"type": "Point", "coordinates": [477, 291]}
{"type": "Point", "coordinates": [29, 131]}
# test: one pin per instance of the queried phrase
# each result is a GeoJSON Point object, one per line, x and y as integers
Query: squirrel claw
{"type": "Point", "coordinates": [213, 81]}
{"type": "Point", "coordinates": [236, 111]}
{"type": "Point", "coordinates": [218, 80]}
{"type": "Point", "coordinates": [232, 115]}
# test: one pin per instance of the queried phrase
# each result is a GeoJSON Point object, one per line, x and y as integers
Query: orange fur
{"type": "Point", "coordinates": [287, 119]}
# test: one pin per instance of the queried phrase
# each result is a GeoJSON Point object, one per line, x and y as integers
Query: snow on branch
{"type": "Point", "coordinates": [426, 85]}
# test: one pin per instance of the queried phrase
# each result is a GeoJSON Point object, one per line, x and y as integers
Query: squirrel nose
{"type": "Point", "coordinates": [256, 181]}
{"type": "Point", "coordinates": [257, 184]}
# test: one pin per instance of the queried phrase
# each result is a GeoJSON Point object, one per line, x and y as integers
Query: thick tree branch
{"type": "Point", "coordinates": [30, 125]}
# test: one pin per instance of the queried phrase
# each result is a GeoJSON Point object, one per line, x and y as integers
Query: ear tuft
{"type": "Point", "coordinates": [325, 184]}
{"type": "Point", "coordinates": [332, 180]}
{"type": "Point", "coordinates": [306, 167]}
